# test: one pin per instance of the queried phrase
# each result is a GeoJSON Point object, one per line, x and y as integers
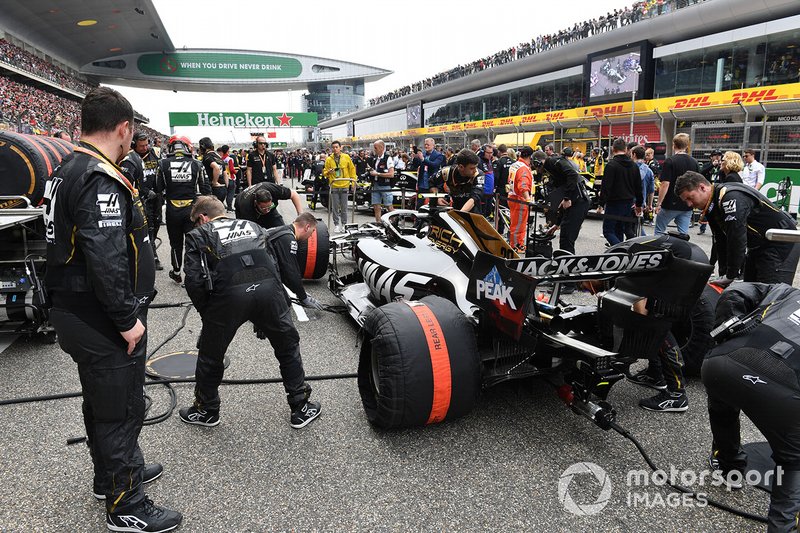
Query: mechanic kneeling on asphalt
{"type": "Point", "coordinates": [463, 182]}
{"type": "Point", "coordinates": [231, 278]}
{"type": "Point", "coordinates": [283, 245]}
{"type": "Point", "coordinates": [756, 369]}
{"type": "Point", "coordinates": [739, 217]}
{"type": "Point", "coordinates": [259, 204]}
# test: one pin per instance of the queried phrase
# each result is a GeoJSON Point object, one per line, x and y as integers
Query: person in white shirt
{"type": "Point", "coordinates": [382, 177]}
{"type": "Point", "coordinates": [753, 172]}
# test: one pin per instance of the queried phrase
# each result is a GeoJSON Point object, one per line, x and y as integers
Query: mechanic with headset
{"type": "Point", "coordinates": [100, 277]}
{"type": "Point", "coordinates": [179, 178]}
{"type": "Point", "coordinates": [259, 204]}
{"type": "Point", "coordinates": [739, 217]}
{"type": "Point", "coordinates": [216, 170]}
{"type": "Point", "coordinates": [153, 202]}
{"type": "Point", "coordinates": [462, 182]}
{"type": "Point", "coordinates": [231, 278]}
{"type": "Point", "coordinates": [569, 187]}
{"type": "Point", "coordinates": [756, 369]}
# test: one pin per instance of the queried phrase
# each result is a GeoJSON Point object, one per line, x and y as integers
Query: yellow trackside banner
{"type": "Point", "coordinates": [750, 96]}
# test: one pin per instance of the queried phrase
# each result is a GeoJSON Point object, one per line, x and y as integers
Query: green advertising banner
{"type": "Point", "coordinates": [243, 120]}
{"type": "Point", "coordinates": [772, 180]}
{"type": "Point", "coordinates": [219, 66]}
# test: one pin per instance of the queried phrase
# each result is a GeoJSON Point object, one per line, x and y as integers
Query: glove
{"type": "Point", "coordinates": [722, 281]}
{"type": "Point", "coordinates": [310, 301]}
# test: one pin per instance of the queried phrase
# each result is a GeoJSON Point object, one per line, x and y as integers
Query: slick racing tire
{"type": "Point", "coordinates": [419, 364]}
{"type": "Point", "coordinates": [312, 255]}
{"type": "Point", "coordinates": [26, 162]}
{"type": "Point", "coordinates": [694, 335]}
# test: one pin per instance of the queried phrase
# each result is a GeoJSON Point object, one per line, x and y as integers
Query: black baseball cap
{"type": "Point", "coordinates": [526, 152]}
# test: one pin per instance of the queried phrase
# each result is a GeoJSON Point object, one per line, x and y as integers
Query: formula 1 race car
{"type": "Point", "coordinates": [446, 308]}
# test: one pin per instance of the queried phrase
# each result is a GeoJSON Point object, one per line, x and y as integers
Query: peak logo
{"type": "Point", "coordinates": [491, 287]}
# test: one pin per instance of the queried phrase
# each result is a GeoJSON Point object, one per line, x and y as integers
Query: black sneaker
{"type": "Point", "coordinates": [646, 380]}
{"type": "Point", "coordinates": [667, 402]}
{"type": "Point", "coordinates": [158, 264]}
{"type": "Point", "coordinates": [732, 478]}
{"type": "Point", "coordinates": [175, 276]}
{"type": "Point", "coordinates": [150, 473]}
{"type": "Point", "coordinates": [303, 416]}
{"type": "Point", "coordinates": [199, 417]}
{"type": "Point", "coordinates": [146, 517]}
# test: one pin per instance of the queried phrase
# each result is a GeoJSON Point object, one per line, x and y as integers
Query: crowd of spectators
{"type": "Point", "coordinates": [16, 56]}
{"type": "Point", "coordinates": [30, 110]}
{"type": "Point", "coordinates": [640, 10]}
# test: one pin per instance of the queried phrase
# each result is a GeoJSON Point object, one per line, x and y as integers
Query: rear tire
{"type": "Point", "coordinates": [402, 384]}
{"type": "Point", "coordinates": [312, 255]}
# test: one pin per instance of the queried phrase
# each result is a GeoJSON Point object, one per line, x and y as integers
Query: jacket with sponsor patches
{"type": "Point", "coordinates": [99, 257]}
{"type": "Point", "coordinates": [283, 246]}
{"type": "Point", "coordinates": [180, 177]}
{"type": "Point", "coordinates": [230, 252]}
{"type": "Point", "coordinates": [460, 188]}
{"type": "Point", "coordinates": [740, 216]}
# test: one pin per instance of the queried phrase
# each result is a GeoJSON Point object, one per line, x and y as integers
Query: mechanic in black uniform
{"type": "Point", "coordinates": [756, 369]}
{"type": "Point", "coordinates": [283, 246]}
{"type": "Point", "coordinates": [153, 203]}
{"type": "Point", "coordinates": [321, 185]}
{"type": "Point", "coordinates": [231, 278]}
{"type": "Point", "coordinates": [462, 182]}
{"type": "Point", "coordinates": [100, 275]}
{"type": "Point", "coordinates": [568, 185]}
{"type": "Point", "coordinates": [739, 217]}
{"type": "Point", "coordinates": [216, 170]}
{"type": "Point", "coordinates": [259, 204]}
{"type": "Point", "coordinates": [501, 166]}
{"type": "Point", "coordinates": [180, 177]}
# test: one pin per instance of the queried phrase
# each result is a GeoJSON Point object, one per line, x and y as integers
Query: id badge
{"type": "Point", "coordinates": [264, 170]}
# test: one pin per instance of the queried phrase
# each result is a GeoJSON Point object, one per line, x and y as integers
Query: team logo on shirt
{"type": "Point", "coordinates": [180, 171]}
{"type": "Point", "coordinates": [729, 206]}
{"type": "Point", "coordinates": [230, 232]}
{"type": "Point", "coordinates": [109, 204]}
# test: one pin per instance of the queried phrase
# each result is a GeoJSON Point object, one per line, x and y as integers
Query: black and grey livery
{"type": "Point", "coordinates": [459, 257]}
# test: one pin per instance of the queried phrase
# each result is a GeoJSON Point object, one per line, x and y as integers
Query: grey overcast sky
{"type": "Point", "coordinates": [414, 39]}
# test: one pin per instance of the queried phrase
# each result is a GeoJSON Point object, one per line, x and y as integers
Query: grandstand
{"type": "Point", "coordinates": [39, 95]}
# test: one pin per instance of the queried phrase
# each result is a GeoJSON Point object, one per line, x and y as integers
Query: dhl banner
{"type": "Point", "coordinates": [750, 96]}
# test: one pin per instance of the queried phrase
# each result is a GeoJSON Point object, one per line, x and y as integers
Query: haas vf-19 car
{"type": "Point", "coordinates": [447, 308]}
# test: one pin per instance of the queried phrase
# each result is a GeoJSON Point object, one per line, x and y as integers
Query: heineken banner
{"type": "Point", "coordinates": [219, 66]}
{"type": "Point", "coordinates": [243, 120]}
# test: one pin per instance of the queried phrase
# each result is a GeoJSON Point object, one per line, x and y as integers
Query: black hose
{"type": "Point", "coordinates": [259, 381]}
{"type": "Point", "coordinates": [680, 488]}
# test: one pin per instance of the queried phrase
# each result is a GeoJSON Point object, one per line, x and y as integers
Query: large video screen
{"type": "Point", "coordinates": [614, 74]}
{"type": "Point", "coordinates": [414, 115]}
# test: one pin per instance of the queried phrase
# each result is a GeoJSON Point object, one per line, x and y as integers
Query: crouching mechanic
{"type": "Point", "coordinates": [283, 245]}
{"type": "Point", "coordinates": [259, 204]}
{"type": "Point", "coordinates": [462, 182]}
{"type": "Point", "coordinates": [739, 217]}
{"type": "Point", "coordinates": [756, 369]}
{"type": "Point", "coordinates": [231, 278]}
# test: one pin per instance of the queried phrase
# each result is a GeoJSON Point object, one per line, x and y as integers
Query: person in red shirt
{"type": "Point", "coordinates": [520, 185]}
